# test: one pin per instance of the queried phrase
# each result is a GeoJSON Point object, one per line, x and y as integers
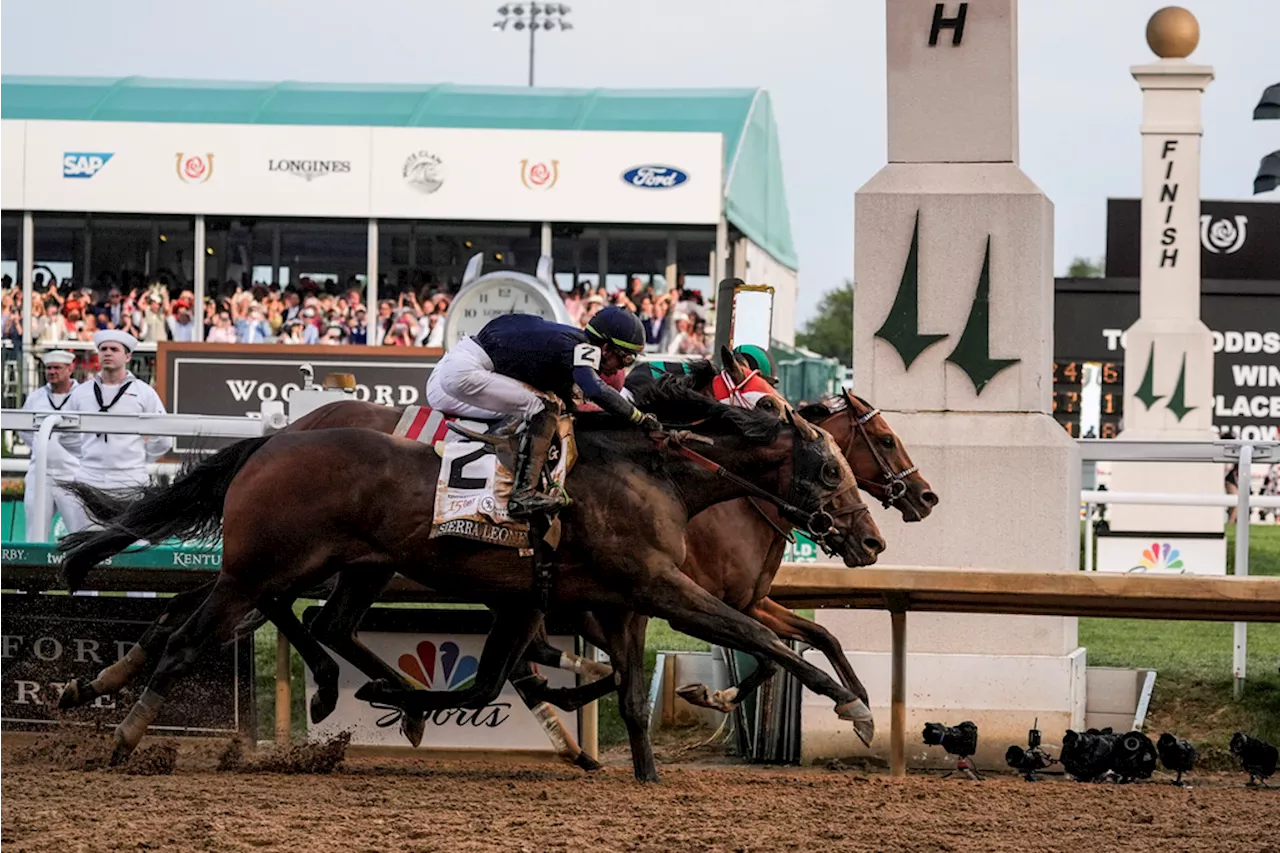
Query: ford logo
{"type": "Point", "coordinates": [654, 177]}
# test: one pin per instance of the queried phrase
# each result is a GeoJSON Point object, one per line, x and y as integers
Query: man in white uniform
{"type": "Point", "coordinates": [61, 464]}
{"type": "Point", "coordinates": [115, 461]}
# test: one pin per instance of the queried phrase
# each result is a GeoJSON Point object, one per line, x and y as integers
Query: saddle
{"type": "Point", "coordinates": [476, 477]}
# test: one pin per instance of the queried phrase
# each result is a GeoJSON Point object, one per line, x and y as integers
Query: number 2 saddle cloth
{"type": "Point", "coordinates": [476, 477]}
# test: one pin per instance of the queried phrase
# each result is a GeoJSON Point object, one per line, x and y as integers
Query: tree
{"type": "Point", "coordinates": [1086, 268]}
{"type": "Point", "coordinates": [830, 332]}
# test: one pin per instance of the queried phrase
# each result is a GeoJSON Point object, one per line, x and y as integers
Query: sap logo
{"type": "Point", "coordinates": [654, 177]}
{"type": "Point", "coordinates": [77, 164]}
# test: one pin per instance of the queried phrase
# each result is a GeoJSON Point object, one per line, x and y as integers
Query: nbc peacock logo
{"type": "Point", "coordinates": [442, 667]}
{"type": "Point", "coordinates": [1160, 557]}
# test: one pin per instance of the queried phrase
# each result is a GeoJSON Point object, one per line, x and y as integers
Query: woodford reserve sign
{"type": "Point", "coordinates": [234, 379]}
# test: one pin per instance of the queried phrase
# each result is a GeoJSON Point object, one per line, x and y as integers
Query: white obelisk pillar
{"type": "Point", "coordinates": [953, 340]}
{"type": "Point", "coordinates": [1168, 381]}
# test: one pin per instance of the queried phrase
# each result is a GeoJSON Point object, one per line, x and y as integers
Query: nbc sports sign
{"type": "Point", "coordinates": [1158, 554]}
{"type": "Point", "coordinates": [437, 650]}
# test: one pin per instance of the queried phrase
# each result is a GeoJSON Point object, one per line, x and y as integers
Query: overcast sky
{"type": "Point", "coordinates": [821, 60]}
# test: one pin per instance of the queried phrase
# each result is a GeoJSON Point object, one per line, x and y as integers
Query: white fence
{"type": "Point", "coordinates": [1243, 453]}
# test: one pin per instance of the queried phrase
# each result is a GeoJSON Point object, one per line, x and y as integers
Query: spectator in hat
{"type": "Point", "coordinates": [182, 326]}
{"type": "Point", "coordinates": [62, 465]}
{"type": "Point", "coordinates": [106, 460]}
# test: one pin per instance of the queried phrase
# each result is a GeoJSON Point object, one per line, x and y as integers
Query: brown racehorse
{"type": "Point", "coordinates": [621, 549]}
{"type": "Point", "coordinates": [735, 551]}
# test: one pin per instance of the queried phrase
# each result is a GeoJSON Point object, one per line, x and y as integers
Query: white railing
{"type": "Point", "coordinates": [1242, 453]}
{"type": "Point", "coordinates": [43, 424]}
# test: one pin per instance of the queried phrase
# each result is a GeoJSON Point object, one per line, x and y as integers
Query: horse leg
{"type": "Point", "coordinates": [793, 626]}
{"type": "Point", "coordinates": [696, 612]}
{"type": "Point", "coordinates": [529, 685]}
{"type": "Point", "coordinates": [337, 626]}
{"type": "Point", "coordinates": [150, 645]}
{"type": "Point", "coordinates": [541, 652]}
{"type": "Point", "coordinates": [788, 626]}
{"type": "Point", "coordinates": [511, 633]}
{"type": "Point", "coordinates": [626, 643]}
{"type": "Point", "coordinates": [323, 667]}
{"type": "Point", "coordinates": [214, 620]}
{"type": "Point", "coordinates": [726, 700]}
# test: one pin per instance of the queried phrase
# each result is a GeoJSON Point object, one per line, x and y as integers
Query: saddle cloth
{"type": "Point", "coordinates": [476, 478]}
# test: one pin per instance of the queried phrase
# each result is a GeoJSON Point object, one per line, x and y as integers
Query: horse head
{"type": "Point", "coordinates": [877, 456]}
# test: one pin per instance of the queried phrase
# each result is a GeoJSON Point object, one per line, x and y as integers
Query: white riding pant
{"type": "Point", "coordinates": [464, 383]}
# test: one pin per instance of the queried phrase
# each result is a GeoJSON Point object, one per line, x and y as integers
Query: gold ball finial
{"type": "Point", "coordinates": [1173, 33]}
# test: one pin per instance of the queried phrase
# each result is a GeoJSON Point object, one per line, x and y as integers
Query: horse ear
{"type": "Point", "coordinates": [731, 364]}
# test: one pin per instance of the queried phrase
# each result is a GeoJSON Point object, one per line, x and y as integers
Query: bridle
{"type": "Point", "coordinates": [818, 524]}
{"type": "Point", "coordinates": [894, 485]}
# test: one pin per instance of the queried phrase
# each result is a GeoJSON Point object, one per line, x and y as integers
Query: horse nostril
{"type": "Point", "coordinates": [874, 544]}
{"type": "Point", "coordinates": [928, 498]}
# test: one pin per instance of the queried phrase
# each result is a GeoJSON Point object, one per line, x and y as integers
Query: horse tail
{"type": "Point", "coordinates": [190, 509]}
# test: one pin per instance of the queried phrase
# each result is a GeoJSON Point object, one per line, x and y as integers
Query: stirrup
{"type": "Point", "coordinates": [534, 503]}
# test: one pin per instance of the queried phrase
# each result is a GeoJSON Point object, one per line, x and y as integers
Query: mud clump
{"type": "Point", "coordinates": [156, 760]}
{"type": "Point", "coordinates": [232, 756]}
{"type": "Point", "coordinates": [67, 749]}
{"type": "Point", "coordinates": [321, 757]}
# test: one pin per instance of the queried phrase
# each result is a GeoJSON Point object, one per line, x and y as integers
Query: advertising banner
{"type": "Point", "coordinates": [359, 172]}
{"type": "Point", "coordinates": [438, 650]}
{"type": "Point", "coordinates": [50, 639]}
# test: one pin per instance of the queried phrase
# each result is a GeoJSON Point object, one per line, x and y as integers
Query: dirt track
{"type": "Point", "coordinates": [379, 805]}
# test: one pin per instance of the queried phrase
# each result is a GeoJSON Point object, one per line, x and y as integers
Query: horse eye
{"type": "Point", "coordinates": [768, 403]}
{"type": "Point", "coordinates": [887, 442]}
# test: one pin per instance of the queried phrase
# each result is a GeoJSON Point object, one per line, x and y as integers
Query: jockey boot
{"type": "Point", "coordinates": [535, 443]}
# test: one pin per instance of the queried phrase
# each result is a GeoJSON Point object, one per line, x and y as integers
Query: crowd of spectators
{"type": "Point", "coordinates": [313, 312]}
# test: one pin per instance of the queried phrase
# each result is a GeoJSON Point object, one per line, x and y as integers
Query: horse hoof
{"type": "Point", "coordinates": [70, 697]}
{"type": "Point", "coordinates": [323, 703]}
{"type": "Point", "coordinates": [859, 714]}
{"type": "Point", "coordinates": [724, 700]}
{"type": "Point", "coordinates": [587, 763]}
{"type": "Point", "coordinates": [413, 726]}
{"type": "Point", "coordinates": [120, 754]}
{"type": "Point", "coordinates": [695, 694]}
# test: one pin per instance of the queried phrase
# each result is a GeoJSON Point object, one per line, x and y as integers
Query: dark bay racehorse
{"type": "Point", "coordinates": [735, 549]}
{"type": "Point", "coordinates": [621, 550]}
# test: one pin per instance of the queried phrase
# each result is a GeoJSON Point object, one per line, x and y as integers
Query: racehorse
{"type": "Point", "coordinates": [735, 549]}
{"type": "Point", "coordinates": [621, 548]}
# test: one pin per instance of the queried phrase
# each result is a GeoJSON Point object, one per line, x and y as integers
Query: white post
{"type": "Point", "coordinates": [546, 239]}
{"type": "Point", "coordinates": [1244, 476]}
{"type": "Point", "coordinates": [37, 530]}
{"type": "Point", "coordinates": [672, 272]}
{"type": "Point", "coordinates": [371, 312]}
{"type": "Point", "coordinates": [1168, 360]}
{"type": "Point", "coordinates": [28, 272]}
{"type": "Point", "coordinates": [1088, 537]}
{"type": "Point", "coordinates": [198, 270]}
{"type": "Point", "coordinates": [722, 251]}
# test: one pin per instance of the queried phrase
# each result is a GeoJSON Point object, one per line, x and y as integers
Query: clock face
{"type": "Point", "coordinates": [491, 297]}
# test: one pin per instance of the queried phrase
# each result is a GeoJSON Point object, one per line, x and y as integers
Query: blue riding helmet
{"type": "Point", "coordinates": [619, 327]}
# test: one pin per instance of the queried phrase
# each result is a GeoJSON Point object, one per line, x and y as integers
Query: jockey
{"type": "Point", "coordinates": [759, 360]}
{"type": "Point", "coordinates": [488, 376]}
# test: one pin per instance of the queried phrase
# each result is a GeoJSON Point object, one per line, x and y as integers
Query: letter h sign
{"type": "Point", "coordinates": [941, 22]}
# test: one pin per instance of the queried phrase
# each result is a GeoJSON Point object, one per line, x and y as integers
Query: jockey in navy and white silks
{"type": "Point", "coordinates": [115, 461]}
{"type": "Point", "coordinates": [488, 376]}
{"type": "Point", "coordinates": [62, 465]}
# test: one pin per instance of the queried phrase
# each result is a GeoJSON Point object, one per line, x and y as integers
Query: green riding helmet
{"type": "Point", "coordinates": [757, 358]}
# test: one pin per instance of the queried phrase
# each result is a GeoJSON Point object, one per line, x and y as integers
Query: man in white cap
{"type": "Point", "coordinates": [62, 465]}
{"type": "Point", "coordinates": [115, 461]}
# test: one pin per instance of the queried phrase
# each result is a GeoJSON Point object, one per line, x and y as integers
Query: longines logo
{"type": "Point", "coordinates": [309, 170]}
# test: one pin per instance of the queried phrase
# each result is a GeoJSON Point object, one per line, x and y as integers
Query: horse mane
{"type": "Point", "coordinates": [817, 410]}
{"type": "Point", "coordinates": [675, 399]}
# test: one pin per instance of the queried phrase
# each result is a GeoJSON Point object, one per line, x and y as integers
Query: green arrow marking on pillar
{"type": "Point", "coordinates": [973, 351]}
{"type": "Point", "coordinates": [901, 328]}
{"type": "Point", "coordinates": [1178, 402]}
{"type": "Point", "coordinates": [1147, 391]}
